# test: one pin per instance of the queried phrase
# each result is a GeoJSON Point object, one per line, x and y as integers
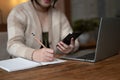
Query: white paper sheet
{"type": "Point", "coordinates": [16, 64]}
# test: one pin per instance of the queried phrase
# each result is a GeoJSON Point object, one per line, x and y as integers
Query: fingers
{"type": "Point", "coordinates": [43, 55]}
{"type": "Point", "coordinates": [49, 50]}
{"type": "Point", "coordinates": [60, 49]}
{"type": "Point", "coordinates": [72, 41]}
{"type": "Point", "coordinates": [49, 55]}
{"type": "Point", "coordinates": [66, 48]}
{"type": "Point", "coordinates": [62, 46]}
{"type": "Point", "coordinates": [48, 59]}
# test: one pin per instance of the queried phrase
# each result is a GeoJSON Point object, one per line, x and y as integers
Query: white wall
{"type": "Point", "coordinates": [83, 9]}
{"type": "Point", "coordinates": [111, 8]}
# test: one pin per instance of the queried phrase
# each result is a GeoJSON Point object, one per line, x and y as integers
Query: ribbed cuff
{"type": "Point", "coordinates": [28, 53]}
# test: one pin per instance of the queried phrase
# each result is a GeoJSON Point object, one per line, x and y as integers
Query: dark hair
{"type": "Point", "coordinates": [54, 1]}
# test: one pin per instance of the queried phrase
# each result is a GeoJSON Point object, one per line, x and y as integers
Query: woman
{"type": "Point", "coordinates": [40, 18]}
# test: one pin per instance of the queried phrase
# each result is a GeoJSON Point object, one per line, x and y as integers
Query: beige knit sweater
{"type": "Point", "coordinates": [23, 20]}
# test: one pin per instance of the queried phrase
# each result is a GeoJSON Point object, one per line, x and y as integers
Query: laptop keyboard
{"type": "Point", "coordinates": [87, 56]}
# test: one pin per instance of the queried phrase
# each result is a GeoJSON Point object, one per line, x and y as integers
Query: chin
{"type": "Point", "coordinates": [47, 6]}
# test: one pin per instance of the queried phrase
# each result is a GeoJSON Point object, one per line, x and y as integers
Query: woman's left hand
{"type": "Point", "coordinates": [66, 48]}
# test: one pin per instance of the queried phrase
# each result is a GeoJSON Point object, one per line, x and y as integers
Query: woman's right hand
{"type": "Point", "coordinates": [43, 55]}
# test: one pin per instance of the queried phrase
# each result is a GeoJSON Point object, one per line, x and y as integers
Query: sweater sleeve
{"type": "Point", "coordinates": [66, 29]}
{"type": "Point", "coordinates": [16, 25]}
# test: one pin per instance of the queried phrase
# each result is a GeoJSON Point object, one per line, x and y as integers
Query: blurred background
{"type": "Point", "coordinates": [82, 15]}
{"type": "Point", "coordinates": [74, 9]}
{"type": "Point", "coordinates": [6, 6]}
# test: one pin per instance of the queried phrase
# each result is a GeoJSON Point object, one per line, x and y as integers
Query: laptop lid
{"type": "Point", "coordinates": [108, 42]}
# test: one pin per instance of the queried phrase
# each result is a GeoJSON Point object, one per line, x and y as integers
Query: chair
{"type": "Point", "coordinates": [3, 44]}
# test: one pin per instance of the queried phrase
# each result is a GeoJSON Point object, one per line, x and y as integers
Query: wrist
{"type": "Point", "coordinates": [34, 52]}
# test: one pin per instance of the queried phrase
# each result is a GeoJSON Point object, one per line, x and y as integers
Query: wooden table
{"type": "Point", "coordinates": [108, 69]}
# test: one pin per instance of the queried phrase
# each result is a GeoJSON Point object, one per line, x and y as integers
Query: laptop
{"type": "Point", "coordinates": [107, 45]}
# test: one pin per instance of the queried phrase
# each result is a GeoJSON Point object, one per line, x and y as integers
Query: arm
{"type": "Point", "coordinates": [66, 29]}
{"type": "Point", "coordinates": [16, 35]}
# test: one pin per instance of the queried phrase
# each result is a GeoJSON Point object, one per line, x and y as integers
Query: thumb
{"type": "Point", "coordinates": [72, 41]}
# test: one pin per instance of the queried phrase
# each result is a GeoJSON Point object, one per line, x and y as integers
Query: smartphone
{"type": "Point", "coordinates": [73, 35]}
